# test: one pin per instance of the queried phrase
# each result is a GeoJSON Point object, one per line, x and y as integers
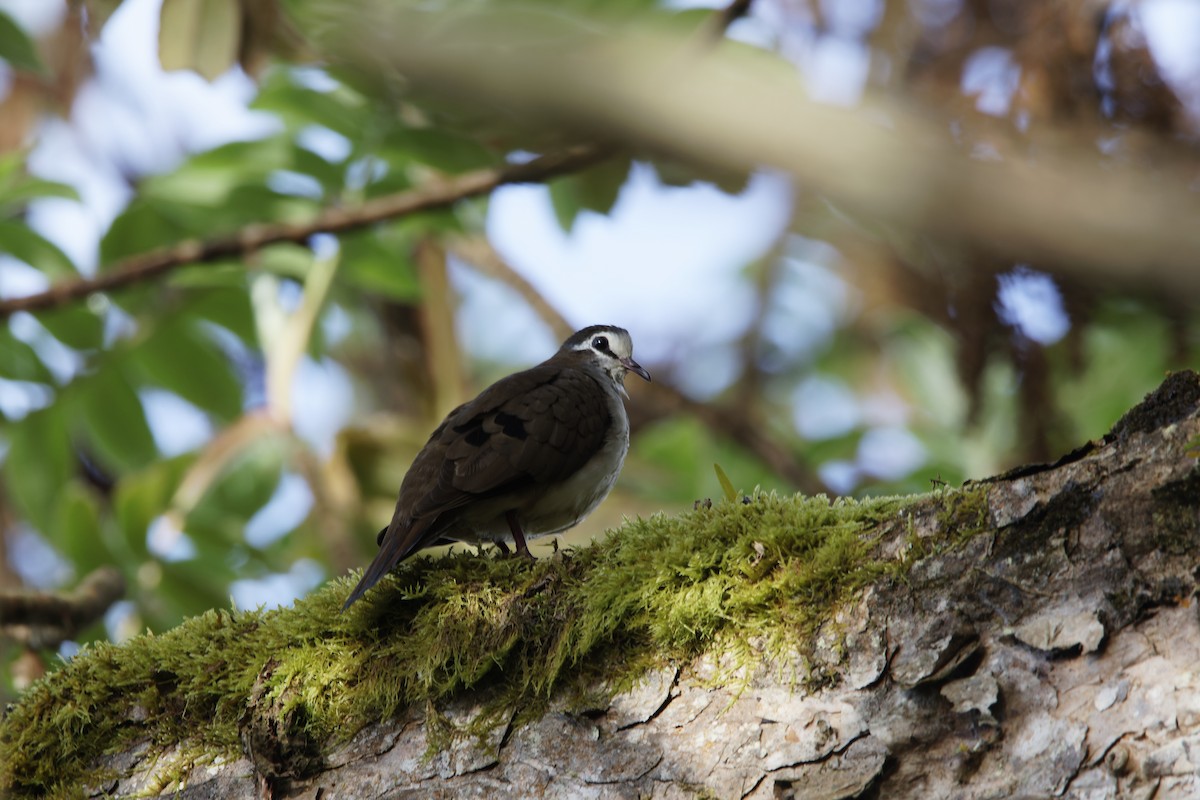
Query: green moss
{"type": "Point", "coordinates": [958, 515]}
{"type": "Point", "coordinates": [738, 577]}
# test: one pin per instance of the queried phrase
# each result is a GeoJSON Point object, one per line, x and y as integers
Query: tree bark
{"type": "Point", "coordinates": [1055, 653]}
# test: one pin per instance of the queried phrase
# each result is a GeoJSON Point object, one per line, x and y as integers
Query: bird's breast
{"type": "Point", "coordinates": [567, 503]}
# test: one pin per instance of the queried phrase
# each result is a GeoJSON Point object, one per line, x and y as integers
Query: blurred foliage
{"type": "Point", "coordinates": [909, 345]}
{"type": "Point", "coordinates": [16, 47]}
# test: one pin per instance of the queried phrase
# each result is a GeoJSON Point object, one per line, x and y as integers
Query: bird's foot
{"type": "Point", "coordinates": [514, 526]}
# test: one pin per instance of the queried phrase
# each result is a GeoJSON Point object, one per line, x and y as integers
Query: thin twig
{"type": "Point", "coordinates": [766, 274]}
{"type": "Point", "coordinates": [479, 253]}
{"type": "Point", "coordinates": [436, 194]}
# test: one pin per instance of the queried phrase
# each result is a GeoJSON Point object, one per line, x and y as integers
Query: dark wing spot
{"type": "Point", "coordinates": [477, 436]}
{"type": "Point", "coordinates": [512, 426]}
{"type": "Point", "coordinates": [472, 431]}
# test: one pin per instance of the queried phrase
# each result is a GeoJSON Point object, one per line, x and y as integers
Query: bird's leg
{"type": "Point", "coordinates": [502, 547]}
{"type": "Point", "coordinates": [518, 534]}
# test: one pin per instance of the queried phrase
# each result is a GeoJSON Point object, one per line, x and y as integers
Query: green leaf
{"type": "Point", "coordinates": [1131, 336]}
{"type": "Point", "coordinates": [180, 358]}
{"type": "Point", "coordinates": [75, 326]}
{"type": "Point", "coordinates": [330, 176]}
{"type": "Point", "coordinates": [381, 261]}
{"type": "Point", "coordinates": [208, 178]}
{"type": "Point", "coordinates": [16, 47]}
{"type": "Point", "coordinates": [12, 169]}
{"type": "Point", "coordinates": [726, 484]}
{"type": "Point", "coordinates": [19, 361]}
{"type": "Point", "coordinates": [342, 110]}
{"type": "Point", "coordinates": [227, 306]}
{"type": "Point", "coordinates": [25, 244]}
{"type": "Point", "coordinates": [17, 188]}
{"type": "Point", "coordinates": [595, 189]}
{"type": "Point", "coordinates": [142, 227]}
{"type": "Point", "coordinates": [144, 495]}
{"type": "Point", "coordinates": [221, 274]}
{"type": "Point", "coordinates": [76, 531]}
{"type": "Point", "coordinates": [392, 181]}
{"type": "Point", "coordinates": [677, 452]}
{"type": "Point", "coordinates": [39, 463]}
{"type": "Point", "coordinates": [195, 586]}
{"type": "Point", "coordinates": [254, 202]}
{"type": "Point", "coordinates": [286, 259]}
{"type": "Point", "coordinates": [242, 488]}
{"type": "Point", "coordinates": [442, 150]}
{"type": "Point", "coordinates": [113, 420]}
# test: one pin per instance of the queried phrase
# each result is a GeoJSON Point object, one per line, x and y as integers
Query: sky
{"type": "Point", "coordinates": [664, 263]}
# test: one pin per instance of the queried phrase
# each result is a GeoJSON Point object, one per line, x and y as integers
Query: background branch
{"type": "Point", "coordinates": [433, 195]}
{"type": "Point", "coordinates": [886, 161]}
{"type": "Point", "coordinates": [478, 253]}
{"type": "Point", "coordinates": [46, 619]}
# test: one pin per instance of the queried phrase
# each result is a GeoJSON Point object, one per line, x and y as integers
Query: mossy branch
{"type": "Point", "coordinates": [734, 576]}
{"type": "Point", "coordinates": [816, 641]}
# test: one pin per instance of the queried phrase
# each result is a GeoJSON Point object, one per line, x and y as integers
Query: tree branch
{"type": "Point", "coordinates": [1031, 636]}
{"type": "Point", "coordinates": [434, 195]}
{"type": "Point", "coordinates": [46, 619]}
{"type": "Point", "coordinates": [478, 252]}
{"type": "Point", "coordinates": [887, 160]}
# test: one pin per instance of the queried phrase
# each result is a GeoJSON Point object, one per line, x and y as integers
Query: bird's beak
{"type": "Point", "coordinates": [635, 368]}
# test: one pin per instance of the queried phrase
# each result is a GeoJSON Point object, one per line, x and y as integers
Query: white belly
{"type": "Point", "coordinates": [566, 504]}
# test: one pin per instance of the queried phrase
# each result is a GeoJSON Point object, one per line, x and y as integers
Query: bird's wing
{"type": "Point", "coordinates": [536, 426]}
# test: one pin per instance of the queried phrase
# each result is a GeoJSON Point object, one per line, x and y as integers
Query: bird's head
{"type": "Point", "coordinates": [609, 348]}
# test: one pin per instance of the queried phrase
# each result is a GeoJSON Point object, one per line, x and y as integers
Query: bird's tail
{"type": "Point", "coordinates": [396, 544]}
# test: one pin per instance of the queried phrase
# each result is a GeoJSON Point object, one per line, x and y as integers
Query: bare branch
{"type": "Point", "coordinates": [479, 253]}
{"type": "Point", "coordinates": [434, 195]}
{"type": "Point", "coordinates": [46, 619]}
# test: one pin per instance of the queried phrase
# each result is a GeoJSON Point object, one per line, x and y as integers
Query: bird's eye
{"type": "Point", "coordinates": [600, 343]}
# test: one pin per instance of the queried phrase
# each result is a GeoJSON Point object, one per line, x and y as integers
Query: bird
{"type": "Point", "coordinates": [532, 455]}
